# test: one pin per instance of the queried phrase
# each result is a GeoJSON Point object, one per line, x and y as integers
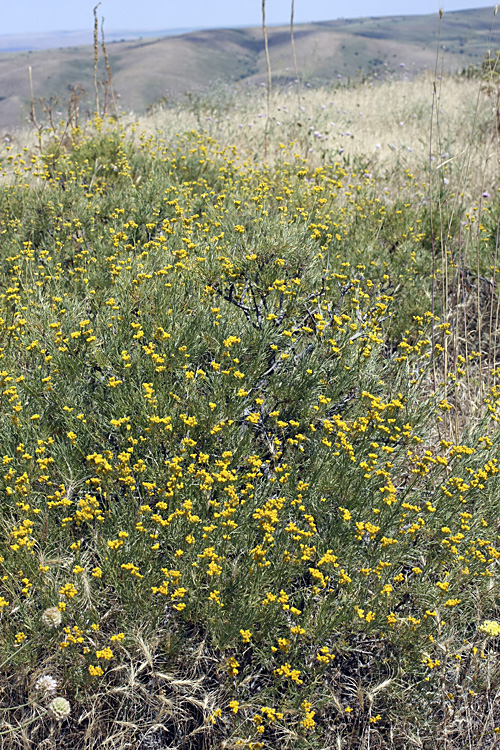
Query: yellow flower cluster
{"type": "Point", "coordinates": [236, 419]}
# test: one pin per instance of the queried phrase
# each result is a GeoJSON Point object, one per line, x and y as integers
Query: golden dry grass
{"type": "Point", "coordinates": [385, 126]}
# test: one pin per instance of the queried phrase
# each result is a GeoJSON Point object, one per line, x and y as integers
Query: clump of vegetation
{"type": "Point", "coordinates": [250, 447]}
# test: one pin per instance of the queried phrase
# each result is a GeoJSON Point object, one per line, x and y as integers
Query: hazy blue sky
{"type": "Point", "coordinates": [25, 16]}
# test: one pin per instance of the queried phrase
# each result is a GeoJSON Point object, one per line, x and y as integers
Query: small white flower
{"type": "Point", "coordinates": [46, 684]}
{"type": "Point", "coordinates": [52, 617]}
{"type": "Point", "coordinates": [59, 708]}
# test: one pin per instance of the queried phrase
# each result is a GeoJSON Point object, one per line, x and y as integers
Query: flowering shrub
{"type": "Point", "coordinates": [234, 449]}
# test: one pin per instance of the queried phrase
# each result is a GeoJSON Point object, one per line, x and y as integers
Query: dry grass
{"type": "Point", "coordinates": [384, 126]}
{"type": "Point", "coordinates": [381, 125]}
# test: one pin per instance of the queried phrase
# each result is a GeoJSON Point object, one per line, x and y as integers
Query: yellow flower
{"type": "Point", "coordinates": [324, 655]}
{"type": "Point", "coordinates": [68, 590]}
{"type": "Point", "coordinates": [106, 653]}
{"type": "Point", "coordinates": [392, 619]}
{"type": "Point", "coordinates": [308, 722]}
{"type": "Point", "coordinates": [232, 666]}
{"type": "Point", "coordinates": [216, 714]}
{"type": "Point", "coordinates": [491, 627]}
{"type": "Point", "coordinates": [286, 671]}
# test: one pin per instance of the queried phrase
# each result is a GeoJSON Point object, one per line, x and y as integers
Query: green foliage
{"type": "Point", "coordinates": [223, 460]}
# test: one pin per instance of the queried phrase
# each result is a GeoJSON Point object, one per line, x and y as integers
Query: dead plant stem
{"type": "Point", "coordinates": [96, 57]}
{"type": "Point", "coordinates": [296, 67]}
{"type": "Point", "coordinates": [109, 82]}
{"type": "Point", "coordinates": [431, 208]}
{"type": "Point", "coordinates": [269, 80]}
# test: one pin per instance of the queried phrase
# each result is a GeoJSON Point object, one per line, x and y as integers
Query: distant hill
{"type": "Point", "coordinates": [153, 68]}
{"type": "Point", "coordinates": [56, 39]}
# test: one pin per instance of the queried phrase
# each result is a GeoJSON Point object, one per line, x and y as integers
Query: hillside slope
{"type": "Point", "coordinates": [151, 69]}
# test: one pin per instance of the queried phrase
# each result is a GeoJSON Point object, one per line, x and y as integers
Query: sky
{"type": "Point", "coordinates": [36, 16]}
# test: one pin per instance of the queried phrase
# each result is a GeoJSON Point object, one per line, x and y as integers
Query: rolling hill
{"type": "Point", "coordinates": [164, 68]}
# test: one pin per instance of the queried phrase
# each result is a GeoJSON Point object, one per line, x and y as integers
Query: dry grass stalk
{"type": "Point", "coordinates": [269, 80]}
{"type": "Point", "coordinates": [296, 67]}
{"type": "Point", "coordinates": [33, 111]}
{"type": "Point", "coordinates": [109, 81]}
{"type": "Point", "coordinates": [431, 212]}
{"type": "Point", "coordinates": [96, 57]}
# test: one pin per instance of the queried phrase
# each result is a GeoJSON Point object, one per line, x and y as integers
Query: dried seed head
{"type": "Point", "coordinates": [52, 617]}
{"type": "Point", "coordinates": [59, 708]}
{"type": "Point", "coordinates": [47, 685]}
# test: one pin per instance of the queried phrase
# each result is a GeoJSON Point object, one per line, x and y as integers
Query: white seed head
{"type": "Point", "coordinates": [59, 708]}
{"type": "Point", "coordinates": [46, 684]}
{"type": "Point", "coordinates": [52, 617]}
